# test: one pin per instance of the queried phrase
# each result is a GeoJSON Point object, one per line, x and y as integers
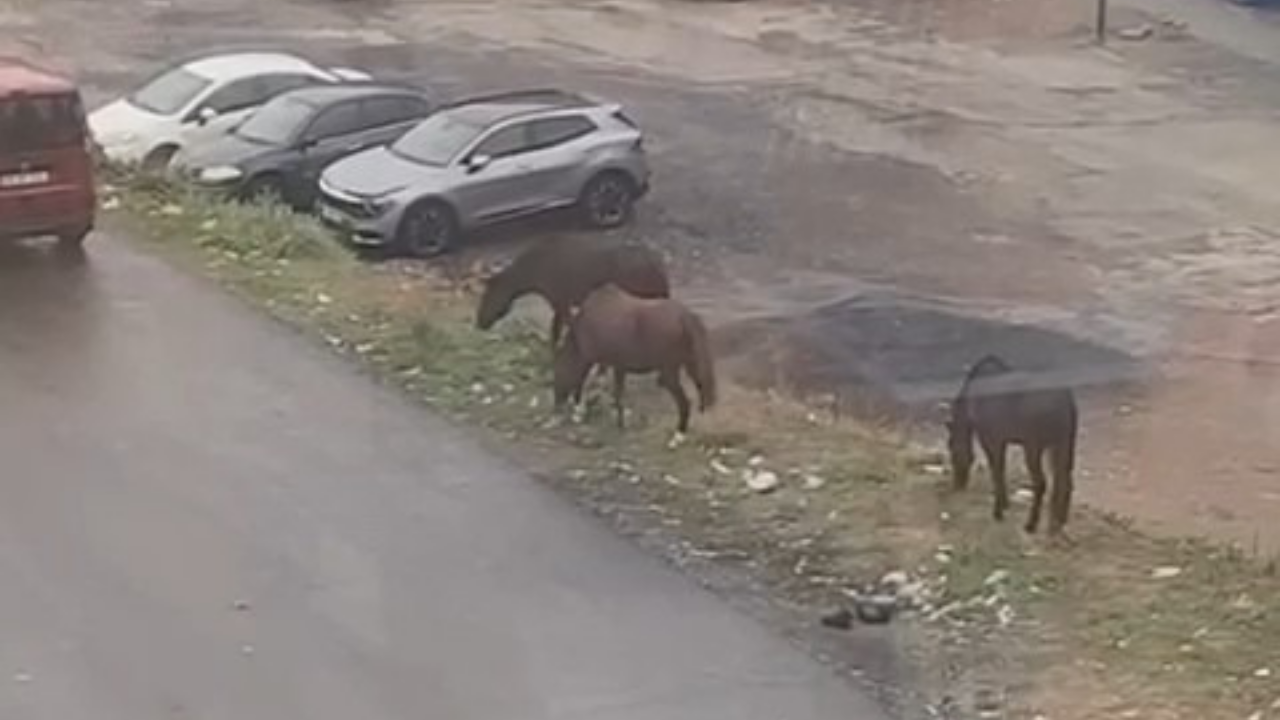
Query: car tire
{"type": "Point", "coordinates": [428, 229]}
{"type": "Point", "coordinates": [72, 239]}
{"type": "Point", "coordinates": [157, 161]}
{"type": "Point", "coordinates": [264, 190]}
{"type": "Point", "coordinates": [608, 200]}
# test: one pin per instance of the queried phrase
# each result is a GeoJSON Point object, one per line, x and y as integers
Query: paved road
{"type": "Point", "coordinates": [168, 452]}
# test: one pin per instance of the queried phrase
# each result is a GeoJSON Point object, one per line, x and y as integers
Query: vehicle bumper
{"type": "Point", "coordinates": [361, 232]}
{"type": "Point", "coordinates": [25, 215]}
{"type": "Point", "coordinates": [122, 153]}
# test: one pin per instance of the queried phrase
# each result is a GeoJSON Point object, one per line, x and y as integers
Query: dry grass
{"type": "Point", "coordinates": [1082, 631]}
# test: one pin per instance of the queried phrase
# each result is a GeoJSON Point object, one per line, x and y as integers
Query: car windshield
{"type": "Point", "coordinates": [170, 92]}
{"type": "Point", "coordinates": [40, 123]}
{"type": "Point", "coordinates": [436, 141]}
{"type": "Point", "coordinates": [276, 123]}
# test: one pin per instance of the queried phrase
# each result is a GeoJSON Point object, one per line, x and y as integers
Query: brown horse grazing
{"type": "Point", "coordinates": [564, 271]}
{"type": "Point", "coordinates": [629, 334]}
{"type": "Point", "coordinates": [1001, 415]}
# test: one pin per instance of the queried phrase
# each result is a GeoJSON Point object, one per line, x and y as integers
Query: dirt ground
{"type": "Point", "coordinates": [865, 196]}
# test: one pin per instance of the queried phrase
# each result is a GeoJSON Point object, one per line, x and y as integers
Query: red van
{"type": "Point", "coordinates": [46, 173]}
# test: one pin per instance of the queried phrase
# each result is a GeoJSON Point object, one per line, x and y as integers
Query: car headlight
{"type": "Point", "coordinates": [116, 139]}
{"type": "Point", "coordinates": [376, 206]}
{"type": "Point", "coordinates": [219, 174]}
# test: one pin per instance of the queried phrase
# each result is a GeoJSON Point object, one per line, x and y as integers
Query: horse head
{"type": "Point", "coordinates": [496, 299]}
{"type": "Point", "coordinates": [959, 444]}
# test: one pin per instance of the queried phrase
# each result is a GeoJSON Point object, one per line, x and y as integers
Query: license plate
{"type": "Point", "coordinates": [24, 179]}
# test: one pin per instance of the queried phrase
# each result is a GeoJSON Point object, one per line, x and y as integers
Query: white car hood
{"type": "Point", "coordinates": [120, 122]}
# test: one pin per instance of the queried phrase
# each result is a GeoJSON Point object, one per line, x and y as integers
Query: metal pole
{"type": "Point", "coordinates": [1100, 25]}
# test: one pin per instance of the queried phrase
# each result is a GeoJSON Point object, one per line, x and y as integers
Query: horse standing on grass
{"type": "Point", "coordinates": [564, 271]}
{"type": "Point", "coordinates": [633, 335]}
{"type": "Point", "coordinates": [1001, 415]}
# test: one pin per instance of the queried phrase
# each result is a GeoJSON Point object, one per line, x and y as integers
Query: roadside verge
{"type": "Point", "coordinates": [782, 508]}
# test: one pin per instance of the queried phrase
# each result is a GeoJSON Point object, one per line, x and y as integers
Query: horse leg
{"type": "Point", "coordinates": [1063, 486]}
{"type": "Point", "coordinates": [995, 452]}
{"type": "Point", "coordinates": [670, 379]}
{"type": "Point", "coordinates": [1035, 468]}
{"type": "Point", "coordinates": [619, 385]}
{"type": "Point", "coordinates": [557, 326]}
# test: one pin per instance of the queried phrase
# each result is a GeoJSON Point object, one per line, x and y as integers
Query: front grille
{"type": "Point", "coordinates": [347, 206]}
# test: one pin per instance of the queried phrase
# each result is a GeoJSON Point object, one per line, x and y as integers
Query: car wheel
{"type": "Point", "coordinates": [608, 200]}
{"type": "Point", "coordinates": [158, 159]}
{"type": "Point", "coordinates": [264, 190]}
{"type": "Point", "coordinates": [427, 229]}
{"type": "Point", "coordinates": [72, 239]}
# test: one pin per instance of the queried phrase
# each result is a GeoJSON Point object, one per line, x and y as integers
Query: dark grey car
{"type": "Point", "coordinates": [281, 149]}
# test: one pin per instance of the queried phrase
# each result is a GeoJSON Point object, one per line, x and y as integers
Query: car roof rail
{"type": "Point", "coordinates": [554, 96]}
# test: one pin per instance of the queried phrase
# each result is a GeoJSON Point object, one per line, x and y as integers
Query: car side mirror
{"type": "Point", "coordinates": [206, 115]}
{"type": "Point", "coordinates": [476, 163]}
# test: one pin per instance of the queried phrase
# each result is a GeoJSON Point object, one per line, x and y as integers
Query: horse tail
{"type": "Point", "coordinates": [700, 363]}
{"type": "Point", "coordinates": [1069, 442]}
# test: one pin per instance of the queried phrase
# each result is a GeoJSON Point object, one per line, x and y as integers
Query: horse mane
{"type": "Point", "coordinates": [986, 366]}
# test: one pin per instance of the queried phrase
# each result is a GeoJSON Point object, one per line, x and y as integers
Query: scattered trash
{"type": "Point", "coordinates": [677, 439]}
{"type": "Point", "coordinates": [209, 225]}
{"type": "Point", "coordinates": [111, 203]}
{"type": "Point", "coordinates": [1022, 495]}
{"type": "Point", "coordinates": [171, 210]}
{"type": "Point", "coordinates": [876, 609]}
{"type": "Point", "coordinates": [997, 577]}
{"type": "Point", "coordinates": [1262, 672]}
{"type": "Point", "coordinates": [894, 581]}
{"type": "Point", "coordinates": [813, 482]}
{"type": "Point", "coordinates": [987, 703]}
{"type": "Point", "coordinates": [942, 558]}
{"type": "Point", "coordinates": [841, 619]}
{"type": "Point", "coordinates": [1005, 615]}
{"type": "Point", "coordinates": [762, 482]}
{"type": "Point", "coordinates": [671, 480]}
{"type": "Point", "coordinates": [720, 467]}
{"type": "Point", "coordinates": [477, 389]}
{"type": "Point", "coordinates": [755, 461]}
{"type": "Point", "coordinates": [1140, 32]}
{"type": "Point", "coordinates": [1166, 572]}
{"type": "Point", "coordinates": [935, 469]}
{"type": "Point", "coordinates": [241, 606]}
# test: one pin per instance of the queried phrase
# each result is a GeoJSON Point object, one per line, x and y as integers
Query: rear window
{"type": "Point", "coordinates": [40, 123]}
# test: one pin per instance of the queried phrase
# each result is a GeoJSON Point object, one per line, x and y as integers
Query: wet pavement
{"type": "Point", "coordinates": [207, 516]}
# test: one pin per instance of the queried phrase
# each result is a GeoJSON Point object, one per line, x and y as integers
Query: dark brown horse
{"type": "Point", "coordinates": [993, 408]}
{"type": "Point", "coordinates": [564, 271]}
{"type": "Point", "coordinates": [633, 335]}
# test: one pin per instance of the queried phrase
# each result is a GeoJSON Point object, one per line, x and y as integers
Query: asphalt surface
{"type": "Point", "coordinates": [204, 516]}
